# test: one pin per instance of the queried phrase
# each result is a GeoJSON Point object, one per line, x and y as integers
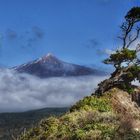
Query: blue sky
{"type": "Point", "coordinates": [77, 31]}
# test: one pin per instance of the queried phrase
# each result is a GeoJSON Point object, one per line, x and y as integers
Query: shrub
{"type": "Point", "coordinates": [93, 103]}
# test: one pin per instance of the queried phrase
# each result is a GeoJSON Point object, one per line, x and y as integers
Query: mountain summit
{"type": "Point", "coordinates": [51, 66]}
{"type": "Point", "coordinates": [49, 57]}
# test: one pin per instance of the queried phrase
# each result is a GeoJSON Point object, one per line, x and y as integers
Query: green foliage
{"type": "Point", "coordinates": [125, 61]}
{"type": "Point", "coordinates": [91, 118]}
{"type": "Point", "coordinates": [133, 14]}
{"type": "Point", "coordinates": [96, 131]}
{"type": "Point", "coordinates": [13, 123]}
{"type": "Point", "coordinates": [135, 70]}
{"type": "Point", "coordinates": [50, 125]}
{"type": "Point", "coordinates": [94, 103]}
{"type": "Point", "coordinates": [127, 88]}
{"type": "Point", "coordinates": [131, 74]}
{"type": "Point", "coordinates": [131, 135]}
{"type": "Point", "coordinates": [95, 117]}
{"type": "Point", "coordinates": [120, 56]}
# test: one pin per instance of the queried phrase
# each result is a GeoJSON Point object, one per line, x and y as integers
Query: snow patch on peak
{"type": "Point", "coordinates": [49, 54]}
{"type": "Point", "coordinates": [46, 58]}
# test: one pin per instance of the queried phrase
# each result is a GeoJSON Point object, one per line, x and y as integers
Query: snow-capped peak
{"type": "Point", "coordinates": [49, 55]}
{"type": "Point", "coordinates": [49, 65]}
{"type": "Point", "coordinates": [49, 58]}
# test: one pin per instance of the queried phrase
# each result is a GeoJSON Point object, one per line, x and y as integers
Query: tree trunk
{"type": "Point", "coordinates": [115, 80]}
{"type": "Point", "coordinates": [106, 85]}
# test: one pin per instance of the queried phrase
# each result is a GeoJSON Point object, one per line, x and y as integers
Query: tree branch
{"type": "Point", "coordinates": [126, 28]}
{"type": "Point", "coordinates": [134, 39]}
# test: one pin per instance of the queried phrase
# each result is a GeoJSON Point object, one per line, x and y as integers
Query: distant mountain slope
{"type": "Point", "coordinates": [15, 123]}
{"type": "Point", "coordinates": [50, 66]}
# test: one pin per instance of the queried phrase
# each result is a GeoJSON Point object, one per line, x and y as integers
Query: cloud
{"type": "Point", "coordinates": [35, 35]}
{"type": "Point", "coordinates": [11, 34]}
{"type": "Point", "coordinates": [136, 83]}
{"type": "Point", "coordinates": [104, 52]}
{"type": "Point", "coordinates": [39, 33]}
{"type": "Point", "coordinates": [26, 38]}
{"type": "Point", "coordinates": [96, 45]}
{"type": "Point", "coordinates": [93, 43]}
{"type": "Point", "coordinates": [109, 51]}
{"type": "Point", "coordinates": [20, 92]}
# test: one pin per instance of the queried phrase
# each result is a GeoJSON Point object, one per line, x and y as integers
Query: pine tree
{"type": "Point", "coordinates": [125, 60]}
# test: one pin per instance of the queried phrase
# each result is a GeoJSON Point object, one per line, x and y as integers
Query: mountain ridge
{"type": "Point", "coordinates": [51, 66]}
{"type": "Point", "coordinates": [112, 116]}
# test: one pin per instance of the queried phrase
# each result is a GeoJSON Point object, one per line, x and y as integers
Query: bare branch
{"type": "Point", "coordinates": [130, 37]}
{"type": "Point", "coordinates": [135, 38]}
{"type": "Point", "coordinates": [126, 29]}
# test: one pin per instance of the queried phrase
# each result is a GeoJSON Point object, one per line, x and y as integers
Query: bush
{"type": "Point", "coordinates": [93, 103]}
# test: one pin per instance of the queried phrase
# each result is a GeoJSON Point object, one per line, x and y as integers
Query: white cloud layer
{"type": "Point", "coordinates": [109, 51]}
{"type": "Point", "coordinates": [20, 92]}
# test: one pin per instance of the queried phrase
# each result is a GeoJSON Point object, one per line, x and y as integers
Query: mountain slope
{"type": "Point", "coordinates": [50, 66]}
{"type": "Point", "coordinates": [12, 124]}
{"type": "Point", "coordinates": [112, 116]}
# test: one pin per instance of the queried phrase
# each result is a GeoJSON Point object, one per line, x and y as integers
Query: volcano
{"type": "Point", "coordinates": [51, 66]}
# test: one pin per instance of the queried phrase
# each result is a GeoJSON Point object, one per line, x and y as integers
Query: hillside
{"type": "Point", "coordinates": [112, 116]}
{"type": "Point", "coordinates": [12, 124]}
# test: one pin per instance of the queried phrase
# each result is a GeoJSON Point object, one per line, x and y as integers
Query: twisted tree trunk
{"type": "Point", "coordinates": [116, 80]}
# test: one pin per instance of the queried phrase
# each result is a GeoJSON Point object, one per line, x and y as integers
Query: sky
{"type": "Point", "coordinates": [76, 31]}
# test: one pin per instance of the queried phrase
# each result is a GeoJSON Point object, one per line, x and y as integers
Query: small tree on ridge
{"type": "Point", "coordinates": [125, 60]}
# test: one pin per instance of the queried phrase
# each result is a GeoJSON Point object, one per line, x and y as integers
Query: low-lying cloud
{"type": "Point", "coordinates": [20, 92]}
